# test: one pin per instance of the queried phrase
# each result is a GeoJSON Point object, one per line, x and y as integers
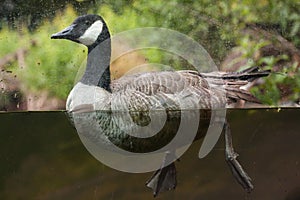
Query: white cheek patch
{"type": "Point", "coordinates": [92, 33]}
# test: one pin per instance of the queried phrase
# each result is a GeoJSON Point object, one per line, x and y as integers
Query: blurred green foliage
{"type": "Point", "coordinates": [48, 66]}
{"type": "Point", "coordinates": [217, 25]}
{"type": "Point", "coordinates": [278, 84]}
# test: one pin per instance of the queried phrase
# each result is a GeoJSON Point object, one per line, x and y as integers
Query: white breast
{"type": "Point", "coordinates": [85, 98]}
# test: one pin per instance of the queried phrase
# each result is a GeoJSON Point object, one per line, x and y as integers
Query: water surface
{"type": "Point", "coordinates": [42, 157]}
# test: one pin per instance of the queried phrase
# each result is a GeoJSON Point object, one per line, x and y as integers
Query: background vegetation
{"type": "Point", "coordinates": [237, 34]}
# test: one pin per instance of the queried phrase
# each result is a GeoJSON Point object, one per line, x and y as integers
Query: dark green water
{"type": "Point", "coordinates": [42, 157]}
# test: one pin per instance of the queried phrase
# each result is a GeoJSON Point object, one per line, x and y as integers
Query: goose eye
{"type": "Point", "coordinates": [87, 23]}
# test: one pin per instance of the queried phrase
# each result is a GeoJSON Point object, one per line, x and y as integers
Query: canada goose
{"type": "Point", "coordinates": [184, 89]}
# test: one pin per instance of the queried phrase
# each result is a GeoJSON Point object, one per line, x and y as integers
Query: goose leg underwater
{"type": "Point", "coordinates": [165, 178]}
{"type": "Point", "coordinates": [145, 91]}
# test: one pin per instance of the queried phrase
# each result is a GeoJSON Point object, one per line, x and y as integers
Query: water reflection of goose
{"type": "Point", "coordinates": [142, 92]}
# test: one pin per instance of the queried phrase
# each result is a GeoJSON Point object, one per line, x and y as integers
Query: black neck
{"type": "Point", "coordinates": [98, 63]}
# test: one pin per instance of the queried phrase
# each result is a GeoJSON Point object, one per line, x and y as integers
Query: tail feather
{"type": "Point", "coordinates": [233, 81]}
{"type": "Point", "coordinates": [248, 74]}
{"type": "Point", "coordinates": [234, 94]}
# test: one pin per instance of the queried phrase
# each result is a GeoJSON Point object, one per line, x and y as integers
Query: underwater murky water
{"type": "Point", "coordinates": [42, 157]}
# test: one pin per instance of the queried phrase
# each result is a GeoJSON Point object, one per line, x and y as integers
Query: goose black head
{"type": "Point", "coordinates": [89, 30]}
